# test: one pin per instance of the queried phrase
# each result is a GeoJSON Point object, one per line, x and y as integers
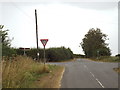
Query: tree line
{"type": "Point", "coordinates": [93, 45]}
{"type": "Point", "coordinates": [52, 54]}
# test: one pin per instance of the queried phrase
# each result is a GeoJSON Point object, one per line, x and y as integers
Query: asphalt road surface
{"type": "Point", "coordinates": [89, 74]}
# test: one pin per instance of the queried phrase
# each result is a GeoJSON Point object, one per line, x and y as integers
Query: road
{"type": "Point", "coordinates": [89, 74]}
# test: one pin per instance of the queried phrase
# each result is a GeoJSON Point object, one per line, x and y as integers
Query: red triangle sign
{"type": "Point", "coordinates": [44, 41]}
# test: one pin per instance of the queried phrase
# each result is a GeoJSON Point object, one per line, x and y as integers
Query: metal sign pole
{"type": "Point", "coordinates": [44, 56]}
{"type": "Point", "coordinates": [44, 42]}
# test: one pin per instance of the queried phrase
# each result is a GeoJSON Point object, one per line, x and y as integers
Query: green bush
{"type": "Point", "coordinates": [52, 54]}
{"type": "Point", "coordinates": [57, 54]}
{"type": "Point", "coordinates": [7, 51]}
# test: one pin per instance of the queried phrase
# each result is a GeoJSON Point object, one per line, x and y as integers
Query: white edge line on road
{"type": "Point", "coordinates": [100, 83]}
{"type": "Point", "coordinates": [61, 77]}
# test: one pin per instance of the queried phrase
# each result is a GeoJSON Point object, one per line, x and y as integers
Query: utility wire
{"type": "Point", "coordinates": [32, 20]}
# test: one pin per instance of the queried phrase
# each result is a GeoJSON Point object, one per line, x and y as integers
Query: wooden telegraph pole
{"type": "Point", "coordinates": [37, 34]}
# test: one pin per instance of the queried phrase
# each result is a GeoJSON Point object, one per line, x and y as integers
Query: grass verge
{"type": "Point", "coordinates": [23, 72]}
{"type": "Point", "coordinates": [50, 80]}
{"type": "Point", "coordinates": [106, 59]}
{"type": "Point", "coordinates": [0, 74]}
{"type": "Point", "coordinates": [117, 69]}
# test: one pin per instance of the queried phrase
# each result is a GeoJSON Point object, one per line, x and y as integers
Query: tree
{"type": "Point", "coordinates": [5, 42]}
{"type": "Point", "coordinates": [93, 44]}
{"type": "Point", "coordinates": [4, 36]}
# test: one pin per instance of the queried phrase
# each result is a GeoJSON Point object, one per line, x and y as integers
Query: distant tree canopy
{"type": "Point", "coordinates": [5, 42]}
{"type": "Point", "coordinates": [57, 54]}
{"type": "Point", "coordinates": [79, 56]}
{"type": "Point", "coordinates": [93, 44]}
{"type": "Point", "coordinates": [52, 54]}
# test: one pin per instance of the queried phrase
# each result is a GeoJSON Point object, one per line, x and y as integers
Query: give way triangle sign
{"type": "Point", "coordinates": [44, 41]}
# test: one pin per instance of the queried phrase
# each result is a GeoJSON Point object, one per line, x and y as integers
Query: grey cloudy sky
{"type": "Point", "coordinates": [63, 23]}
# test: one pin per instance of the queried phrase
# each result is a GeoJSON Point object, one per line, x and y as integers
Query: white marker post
{"type": "Point", "coordinates": [44, 42]}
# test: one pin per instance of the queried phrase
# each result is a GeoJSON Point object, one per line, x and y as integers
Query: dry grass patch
{"type": "Point", "coordinates": [20, 72]}
{"type": "Point", "coordinates": [117, 69]}
{"type": "Point", "coordinates": [106, 59]}
{"type": "Point", "coordinates": [0, 74]}
{"type": "Point", "coordinates": [50, 80]}
{"type": "Point", "coordinates": [23, 72]}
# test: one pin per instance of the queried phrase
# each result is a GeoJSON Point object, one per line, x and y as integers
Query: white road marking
{"type": "Point", "coordinates": [97, 80]}
{"type": "Point", "coordinates": [95, 77]}
{"type": "Point", "coordinates": [100, 83]}
{"type": "Point", "coordinates": [92, 74]}
{"type": "Point", "coordinates": [85, 66]}
{"type": "Point", "coordinates": [61, 77]}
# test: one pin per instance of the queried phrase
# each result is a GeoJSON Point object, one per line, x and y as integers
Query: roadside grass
{"type": "Point", "coordinates": [0, 74]}
{"type": "Point", "coordinates": [21, 72]}
{"type": "Point", "coordinates": [50, 80]}
{"type": "Point", "coordinates": [117, 69]}
{"type": "Point", "coordinates": [106, 59]}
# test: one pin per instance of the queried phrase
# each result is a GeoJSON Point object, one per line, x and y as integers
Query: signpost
{"type": "Point", "coordinates": [44, 42]}
{"type": "Point", "coordinates": [24, 49]}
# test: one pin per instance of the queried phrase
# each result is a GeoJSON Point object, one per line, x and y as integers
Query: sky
{"type": "Point", "coordinates": [63, 23]}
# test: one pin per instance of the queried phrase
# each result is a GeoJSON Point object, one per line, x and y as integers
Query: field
{"type": "Point", "coordinates": [23, 72]}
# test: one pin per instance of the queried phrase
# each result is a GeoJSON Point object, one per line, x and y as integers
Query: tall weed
{"type": "Point", "coordinates": [20, 71]}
